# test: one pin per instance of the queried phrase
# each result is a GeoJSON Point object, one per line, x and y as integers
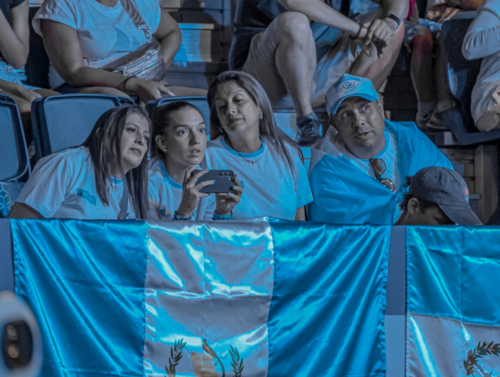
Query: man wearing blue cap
{"type": "Point", "coordinates": [438, 196]}
{"type": "Point", "coordinates": [357, 171]}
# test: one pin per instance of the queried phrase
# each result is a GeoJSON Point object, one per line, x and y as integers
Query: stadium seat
{"type": "Point", "coordinates": [461, 76]}
{"type": "Point", "coordinates": [199, 101]}
{"type": "Point", "coordinates": [14, 167]}
{"type": "Point", "coordinates": [64, 121]}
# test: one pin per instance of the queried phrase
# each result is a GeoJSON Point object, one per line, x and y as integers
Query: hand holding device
{"type": "Point", "coordinates": [225, 203]}
{"type": "Point", "coordinates": [192, 190]}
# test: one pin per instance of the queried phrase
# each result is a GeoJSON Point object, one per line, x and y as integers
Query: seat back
{"type": "Point", "coordinates": [199, 101]}
{"type": "Point", "coordinates": [14, 160]}
{"type": "Point", "coordinates": [64, 121]}
{"type": "Point", "coordinates": [460, 73]}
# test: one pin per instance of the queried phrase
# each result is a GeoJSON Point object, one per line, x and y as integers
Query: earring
{"type": "Point", "coordinates": [261, 116]}
{"type": "Point", "coordinates": [221, 130]}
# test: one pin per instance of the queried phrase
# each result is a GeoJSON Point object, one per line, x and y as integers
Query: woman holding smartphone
{"type": "Point", "coordinates": [104, 178]}
{"type": "Point", "coordinates": [246, 140]}
{"type": "Point", "coordinates": [179, 153]}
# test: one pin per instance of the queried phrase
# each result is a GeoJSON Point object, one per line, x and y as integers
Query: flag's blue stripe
{"type": "Point", "coordinates": [454, 272]}
{"type": "Point", "coordinates": [85, 283]}
{"type": "Point", "coordinates": [327, 311]}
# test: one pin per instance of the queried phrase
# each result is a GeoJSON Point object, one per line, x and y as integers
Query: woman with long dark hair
{"type": "Point", "coordinates": [104, 178]}
{"type": "Point", "coordinates": [246, 139]}
{"type": "Point", "coordinates": [179, 148]}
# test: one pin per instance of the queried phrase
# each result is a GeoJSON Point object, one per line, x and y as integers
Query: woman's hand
{"type": "Point", "coordinates": [147, 90]}
{"type": "Point", "coordinates": [191, 191]}
{"type": "Point", "coordinates": [225, 203]}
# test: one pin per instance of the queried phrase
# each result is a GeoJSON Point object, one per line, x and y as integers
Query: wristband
{"type": "Point", "coordinates": [217, 216]}
{"type": "Point", "coordinates": [124, 83]}
{"type": "Point", "coordinates": [178, 216]}
{"type": "Point", "coordinates": [357, 34]}
{"type": "Point", "coordinates": [394, 18]}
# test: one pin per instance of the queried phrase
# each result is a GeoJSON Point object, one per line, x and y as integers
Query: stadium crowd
{"type": "Point", "coordinates": [365, 169]}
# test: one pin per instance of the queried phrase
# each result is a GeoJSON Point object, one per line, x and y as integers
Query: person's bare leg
{"type": "Point", "coordinates": [296, 59]}
{"type": "Point", "coordinates": [422, 72]}
{"type": "Point", "coordinates": [46, 92]}
{"type": "Point", "coordinates": [375, 68]}
{"type": "Point", "coordinates": [22, 104]}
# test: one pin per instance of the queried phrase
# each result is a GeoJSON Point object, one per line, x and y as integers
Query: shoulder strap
{"type": "Point", "coordinates": [136, 17]}
{"type": "Point", "coordinates": [124, 201]}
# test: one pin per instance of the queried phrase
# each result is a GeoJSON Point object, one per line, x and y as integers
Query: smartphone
{"type": "Point", "coordinates": [223, 181]}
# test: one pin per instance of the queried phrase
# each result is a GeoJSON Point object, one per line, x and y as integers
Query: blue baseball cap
{"type": "Point", "coordinates": [448, 190]}
{"type": "Point", "coordinates": [349, 86]}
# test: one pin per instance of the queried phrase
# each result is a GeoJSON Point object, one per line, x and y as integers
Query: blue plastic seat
{"type": "Point", "coordinates": [64, 121]}
{"type": "Point", "coordinates": [199, 101]}
{"type": "Point", "coordinates": [14, 158]}
{"type": "Point", "coordinates": [14, 166]}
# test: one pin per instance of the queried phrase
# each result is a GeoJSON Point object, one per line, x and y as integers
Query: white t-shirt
{"type": "Point", "coordinates": [270, 188]}
{"type": "Point", "coordinates": [62, 186]}
{"type": "Point", "coordinates": [165, 195]}
{"type": "Point", "coordinates": [105, 33]}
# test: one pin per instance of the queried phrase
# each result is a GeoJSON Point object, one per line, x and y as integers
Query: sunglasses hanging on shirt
{"type": "Point", "coordinates": [379, 167]}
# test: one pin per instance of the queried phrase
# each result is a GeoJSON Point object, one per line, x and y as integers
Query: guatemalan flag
{"type": "Point", "coordinates": [258, 298]}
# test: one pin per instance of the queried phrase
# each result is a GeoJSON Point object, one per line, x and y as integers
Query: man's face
{"type": "Point", "coordinates": [360, 124]}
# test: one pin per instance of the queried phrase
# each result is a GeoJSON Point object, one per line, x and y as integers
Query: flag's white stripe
{"type": "Point", "coordinates": [438, 346]}
{"type": "Point", "coordinates": [212, 283]}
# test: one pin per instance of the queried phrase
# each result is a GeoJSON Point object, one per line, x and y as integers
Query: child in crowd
{"type": "Point", "coordinates": [246, 139]}
{"type": "Point", "coordinates": [179, 151]}
{"type": "Point", "coordinates": [104, 178]}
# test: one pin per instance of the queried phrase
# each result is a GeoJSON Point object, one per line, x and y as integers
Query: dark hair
{"type": "Point", "coordinates": [161, 120]}
{"type": "Point", "coordinates": [267, 126]}
{"type": "Point", "coordinates": [106, 136]}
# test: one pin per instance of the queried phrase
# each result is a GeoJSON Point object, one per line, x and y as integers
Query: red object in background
{"type": "Point", "coordinates": [411, 10]}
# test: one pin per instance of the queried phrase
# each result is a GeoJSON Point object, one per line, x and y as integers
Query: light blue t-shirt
{"type": "Point", "coordinates": [270, 188]}
{"type": "Point", "coordinates": [388, 154]}
{"type": "Point", "coordinates": [165, 194]}
{"type": "Point", "coordinates": [62, 186]}
{"type": "Point", "coordinates": [345, 188]}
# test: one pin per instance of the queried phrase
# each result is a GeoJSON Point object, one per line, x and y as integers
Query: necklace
{"type": "Point", "coordinates": [251, 163]}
